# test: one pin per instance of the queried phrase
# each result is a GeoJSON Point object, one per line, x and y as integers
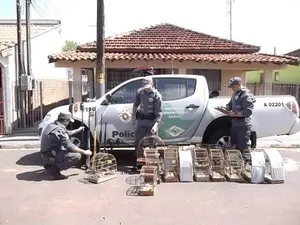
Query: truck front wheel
{"type": "Point", "coordinates": [220, 137]}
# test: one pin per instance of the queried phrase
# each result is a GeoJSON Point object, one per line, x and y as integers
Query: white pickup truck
{"type": "Point", "coordinates": [189, 114]}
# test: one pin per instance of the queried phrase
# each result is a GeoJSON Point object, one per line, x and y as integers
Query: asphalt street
{"type": "Point", "coordinates": [29, 196]}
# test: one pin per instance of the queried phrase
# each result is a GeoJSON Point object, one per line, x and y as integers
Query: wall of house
{"type": "Point", "coordinates": [228, 70]}
{"type": "Point", "coordinates": [9, 69]}
{"type": "Point", "coordinates": [290, 75]}
{"type": "Point", "coordinates": [54, 81]}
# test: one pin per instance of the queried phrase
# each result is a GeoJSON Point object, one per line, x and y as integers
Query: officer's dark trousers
{"type": "Point", "coordinates": [143, 129]}
{"type": "Point", "coordinates": [240, 137]}
{"type": "Point", "coordinates": [64, 159]}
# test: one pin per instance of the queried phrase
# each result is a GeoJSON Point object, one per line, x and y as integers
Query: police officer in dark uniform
{"type": "Point", "coordinates": [241, 107]}
{"type": "Point", "coordinates": [149, 114]}
{"type": "Point", "coordinates": [57, 151]}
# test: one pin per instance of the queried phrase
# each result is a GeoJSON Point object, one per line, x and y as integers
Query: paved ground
{"type": "Point", "coordinates": [28, 196]}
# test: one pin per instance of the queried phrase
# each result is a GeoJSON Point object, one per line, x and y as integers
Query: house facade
{"type": "Point", "coordinates": [289, 75]}
{"type": "Point", "coordinates": [49, 81]}
{"type": "Point", "coordinates": [170, 49]}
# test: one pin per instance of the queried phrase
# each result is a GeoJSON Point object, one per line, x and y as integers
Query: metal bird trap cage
{"type": "Point", "coordinates": [171, 164]}
{"type": "Point", "coordinates": [154, 157]}
{"type": "Point", "coordinates": [275, 173]}
{"type": "Point", "coordinates": [216, 157]}
{"type": "Point", "coordinates": [153, 144]}
{"type": "Point", "coordinates": [201, 164]}
{"type": "Point", "coordinates": [104, 167]}
{"type": "Point", "coordinates": [148, 180]}
{"type": "Point", "coordinates": [233, 165]}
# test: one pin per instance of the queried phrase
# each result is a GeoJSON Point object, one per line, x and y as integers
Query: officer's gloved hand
{"type": "Point", "coordinates": [154, 128]}
{"type": "Point", "coordinates": [81, 128]}
{"type": "Point", "coordinates": [88, 152]}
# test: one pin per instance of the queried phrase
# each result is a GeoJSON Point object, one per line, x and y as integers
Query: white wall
{"type": "Point", "coordinates": [9, 70]}
{"type": "Point", "coordinates": [42, 46]}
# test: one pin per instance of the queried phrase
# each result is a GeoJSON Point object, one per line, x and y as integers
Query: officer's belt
{"type": "Point", "coordinates": [142, 116]}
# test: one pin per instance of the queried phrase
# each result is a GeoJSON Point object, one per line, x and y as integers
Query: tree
{"type": "Point", "coordinates": [70, 46]}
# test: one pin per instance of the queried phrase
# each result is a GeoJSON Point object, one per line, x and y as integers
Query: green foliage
{"type": "Point", "coordinates": [70, 46]}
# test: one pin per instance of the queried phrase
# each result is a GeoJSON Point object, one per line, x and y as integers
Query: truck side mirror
{"type": "Point", "coordinates": [107, 99]}
{"type": "Point", "coordinates": [214, 94]}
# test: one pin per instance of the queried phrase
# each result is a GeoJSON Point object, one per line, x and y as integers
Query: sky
{"type": "Point", "coordinates": [266, 23]}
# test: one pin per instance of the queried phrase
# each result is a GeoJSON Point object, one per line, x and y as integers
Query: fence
{"type": "Point", "coordinates": [49, 94]}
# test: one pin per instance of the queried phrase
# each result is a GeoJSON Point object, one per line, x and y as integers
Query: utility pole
{"type": "Point", "coordinates": [230, 18]}
{"type": "Point", "coordinates": [100, 67]}
{"type": "Point", "coordinates": [29, 71]}
{"type": "Point", "coordinates": [28, 35]}
{"type": "Point", "coordinates": [21, 70]}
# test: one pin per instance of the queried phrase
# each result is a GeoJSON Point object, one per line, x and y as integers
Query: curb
{"type": "Point", "coordinates": [19, 146]}
{"type": "Point", "coordinates": [279, 146]}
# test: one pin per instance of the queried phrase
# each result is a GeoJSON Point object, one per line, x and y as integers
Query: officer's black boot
{"type": "Point", "coordinates": [55, 172]}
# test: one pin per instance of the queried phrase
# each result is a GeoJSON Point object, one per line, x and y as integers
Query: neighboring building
{"type": "Point", "coordinates": [287, 75]}
{"type": "Point", "coordinates": [45, 38]}
{"type": "Point", "coordinates": [170, 49]}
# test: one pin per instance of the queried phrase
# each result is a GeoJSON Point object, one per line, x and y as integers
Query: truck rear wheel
{"type": "Point", "coordinates": [220, 138]}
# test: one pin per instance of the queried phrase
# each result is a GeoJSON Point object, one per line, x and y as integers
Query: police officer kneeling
{"type": "Point", "coordinates": [241, 107]}
{"type": "Point", "coordinates": [57, 151]}
{"type": "Point", "coordinates": [149, 115]}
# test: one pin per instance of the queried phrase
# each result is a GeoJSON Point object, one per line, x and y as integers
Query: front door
{"type": "Point", "coordinates": [117, 115]}
{"type": "Point", "coordinates": [183, 108]}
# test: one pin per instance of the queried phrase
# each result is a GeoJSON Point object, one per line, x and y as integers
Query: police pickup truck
{"type": "Point", "coordinates": [189, 114]}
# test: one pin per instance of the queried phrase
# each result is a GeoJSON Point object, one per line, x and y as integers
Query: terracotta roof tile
{"type": "Point", "coordinates": [213, 58]}
{"type": "Point", "coordinates": [170, 38]}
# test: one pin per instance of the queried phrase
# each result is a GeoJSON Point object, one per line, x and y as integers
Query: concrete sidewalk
{"type": "Point", "coordinates": [31, 140]}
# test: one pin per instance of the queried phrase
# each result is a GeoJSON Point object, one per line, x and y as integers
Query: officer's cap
{"type": "Point", "coordinates": [65, 116]}
{"type": "Point", "coordinates": [234, 81]}
{"type": "Point", "coordinates": [147, 82]}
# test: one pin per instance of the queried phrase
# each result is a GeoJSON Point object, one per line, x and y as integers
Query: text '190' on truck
{"type": "Point", "coordinates": [189, 114]}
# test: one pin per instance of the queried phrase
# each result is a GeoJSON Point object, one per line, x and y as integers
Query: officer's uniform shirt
{"type": "Point", "coordinates": [242, 102]}
{"type": "Point", "coordinates": [149, 102]}
{"type": "Point", "coordinates": [56, 138]}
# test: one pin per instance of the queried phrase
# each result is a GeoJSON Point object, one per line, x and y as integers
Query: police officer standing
{"type": "Point", "coordinates": [241, 107]}
{"type": "Point", "coordinates": [57, 151]}
{"type": "Point", "coordinates": [149, 114]}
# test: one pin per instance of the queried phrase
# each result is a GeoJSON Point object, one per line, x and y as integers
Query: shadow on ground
{"type": "Point", "coordinates": [37, 175]}
{"type": "Point", "coordinates": [32, 159]}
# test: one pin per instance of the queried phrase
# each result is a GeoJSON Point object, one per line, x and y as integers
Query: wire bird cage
{"type": "Point", "coordinates": [171, 164]}
{"type": "Point", "coordinates": [154, 146]}
{"type": "Point", "coordinates": [103, 165]}
{"type": "Point", "coordinates": [216, 157]}
{"type": "Point", "coordinates": [148, 180]}
{"type": "Point", "coordinates": [233, 165]}
{"type": "Point", "coordinates": [201, 164]}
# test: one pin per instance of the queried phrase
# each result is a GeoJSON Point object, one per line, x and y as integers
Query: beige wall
{"type": "Point", "coordinates": [228, 69]}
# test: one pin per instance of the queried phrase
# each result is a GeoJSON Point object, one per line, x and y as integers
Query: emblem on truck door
{"type": "Point", "coordinates": [125, 115]}
{"type": "Point", "coordinates": [175, 131]}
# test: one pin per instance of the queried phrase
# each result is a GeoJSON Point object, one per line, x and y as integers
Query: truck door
{"type": "Point", "coordinates": [183, 108]}
{"type": "Point", "coordinates": [117, 115]}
